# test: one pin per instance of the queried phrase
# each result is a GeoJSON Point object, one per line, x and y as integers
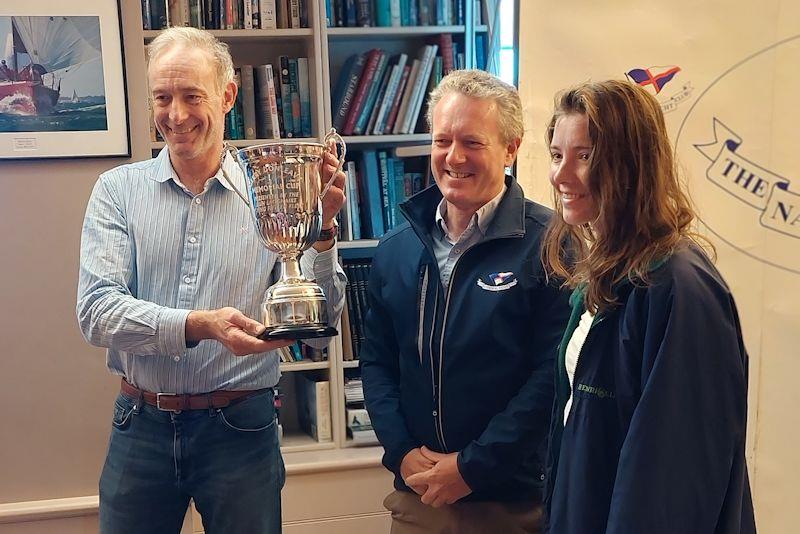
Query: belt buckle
{"type": "Point", "coordinates": [160, 396]}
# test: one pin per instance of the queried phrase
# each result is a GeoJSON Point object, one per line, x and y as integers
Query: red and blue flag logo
{"type": "Point", "coordinates": [655, 77]}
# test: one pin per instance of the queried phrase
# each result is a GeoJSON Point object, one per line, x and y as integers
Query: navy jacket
{"type": "Point", "coordinates": [469, 369]}
{"type": "Point", "coordinates": [655, 439]}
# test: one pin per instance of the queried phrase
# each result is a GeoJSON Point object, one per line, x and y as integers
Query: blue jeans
{"type": "Point", "coordinates": [227, 460]}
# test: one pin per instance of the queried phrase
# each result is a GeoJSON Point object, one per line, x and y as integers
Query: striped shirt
{"type": "Point", "coordinates": [151, 252]}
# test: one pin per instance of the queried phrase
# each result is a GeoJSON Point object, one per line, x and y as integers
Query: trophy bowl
{"type": "Point", "coordinates": [283, 181]}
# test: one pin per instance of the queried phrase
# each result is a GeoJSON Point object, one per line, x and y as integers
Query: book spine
{"type": "Point", "coordinates": [376, 105]}
{"type": "Point", "coordinates": [401, 87]}
{"type": "Point", "coordinates": [383, 169]}
{"type": "Point", "coordinates": [353, 200]}
{"type": "Point", "coordinates": [348, 91]}
{"type": "Point", "coordinates": [361, 93]}
{"type": "Point", "coordinates": [407, 95]}
{"type": "Point", "coordinates": [421, 87]}
{"type": "Point", "coordinates": [247, 15]}
{"type": "Point", "coordinates": [305, 96]}
{"type": "Point", "coordinates": [323, 407]}
{"type": "Point", "coordinates": [286, 96]}
{"type": "Point", "coordinates": [267, 14]}
{"type": "Point", "coordinates": [294, 13]}
{"type": "Point", "coordinates": [294, 89]}
{"type": "Point", "coordinates": [383, 14]}
{"type": "Point", "coordinates": [391, 92]}
{"type": "Point", "coordinates": [248, 102]}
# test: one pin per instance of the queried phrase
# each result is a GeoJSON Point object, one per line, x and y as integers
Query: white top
{"type": "Point", "coordinates": [573, 351]}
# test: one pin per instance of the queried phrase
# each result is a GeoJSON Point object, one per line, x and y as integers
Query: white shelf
{"type": "Point", "coordinates": [359, 243]}
{"type": "Point", "coordinates": [288, 367]}
{"type": "Point", "coordinates": [398, 31]}
{"type": "Point", "coordinates": [250, 35]}
{"type": "Point", "coordinates": [299, 442]}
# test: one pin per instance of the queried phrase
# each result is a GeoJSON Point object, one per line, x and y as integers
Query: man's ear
{"type": "Point", "coordinates": [229, 96]}
{"type": "Point", "coordinates": [512, 149]}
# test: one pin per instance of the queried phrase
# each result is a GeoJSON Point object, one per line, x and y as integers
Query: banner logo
{"type": "Point", "coordinates": [655, 79]}
{"type": "Point", "coordinates": [737, 146]}
{"type": "Point", "coordinates": [751, 183]}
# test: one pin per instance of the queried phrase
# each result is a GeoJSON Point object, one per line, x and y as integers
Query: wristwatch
{"type": "Point", "coordinates": [330, 233]}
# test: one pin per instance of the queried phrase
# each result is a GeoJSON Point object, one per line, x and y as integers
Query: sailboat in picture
{"type": "Point", "coordinates": [41, 50]}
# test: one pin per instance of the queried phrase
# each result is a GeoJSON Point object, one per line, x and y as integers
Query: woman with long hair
{"type": "Point", "coordinates": [649, 422]}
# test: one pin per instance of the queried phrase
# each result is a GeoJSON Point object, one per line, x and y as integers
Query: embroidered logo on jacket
{"type": "Point", "coordinates": [597, 391]}
{"type": "Point", "coordinates": [498, 281]}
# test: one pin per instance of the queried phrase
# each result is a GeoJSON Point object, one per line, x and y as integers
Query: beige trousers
{"type": "Point", "coordinates": [410, 516]}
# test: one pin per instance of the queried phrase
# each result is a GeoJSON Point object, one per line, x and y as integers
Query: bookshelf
{"type": "Point", "coordinates": [327, 49]}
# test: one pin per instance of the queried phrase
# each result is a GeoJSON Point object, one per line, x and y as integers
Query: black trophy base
{"type": "Point", "coordinates": [297, 332]}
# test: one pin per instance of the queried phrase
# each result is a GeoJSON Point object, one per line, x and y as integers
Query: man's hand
{"type": "Point", "coordinates": [444, 481]}
{"type": "Point", "coordinates": [232, 328]}
{"type": "Point", "coordinates": [414, 462]}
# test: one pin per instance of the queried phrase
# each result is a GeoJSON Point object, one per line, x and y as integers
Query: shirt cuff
{"type": "Point", "coordinates": [319, 265]}
{"type": "Point", "coordinates": [172, 330]}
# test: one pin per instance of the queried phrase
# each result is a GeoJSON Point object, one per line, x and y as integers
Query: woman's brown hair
{"type": "Point", "coordinates": [643, 212]}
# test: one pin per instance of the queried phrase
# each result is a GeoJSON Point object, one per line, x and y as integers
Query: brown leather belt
{"type": "Point", "coordinates": [172, 402]}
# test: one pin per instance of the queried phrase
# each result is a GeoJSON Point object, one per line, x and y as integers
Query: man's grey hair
{"type": "Point", "coordinates": [193, 38]}
{"type": "Point", "coordinates": [482, 85]}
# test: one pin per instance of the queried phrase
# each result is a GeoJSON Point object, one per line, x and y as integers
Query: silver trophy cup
{"type": "Point", "coordinates": [283, 188]}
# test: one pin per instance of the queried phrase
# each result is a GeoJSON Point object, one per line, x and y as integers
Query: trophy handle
{"type": "Point", "coordinates": [334, 135]}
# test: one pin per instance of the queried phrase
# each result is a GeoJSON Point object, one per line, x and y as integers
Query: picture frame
{"type": "Point", "coordinates": [62, 80]}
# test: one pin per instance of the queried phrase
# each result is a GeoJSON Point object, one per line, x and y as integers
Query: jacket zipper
{"type": "Point", "coordinates": [423, 291]}
{"type": "Point", "coordinates": [436, 388]}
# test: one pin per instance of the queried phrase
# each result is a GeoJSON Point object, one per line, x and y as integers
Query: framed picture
{"type": "Point", "coordinates": [62, 80]}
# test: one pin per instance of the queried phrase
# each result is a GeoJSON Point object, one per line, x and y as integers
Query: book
{"type": "Point", "coordinates": [314, 406]}
{"type": "Point", "coordinates": [371, 202]}
{"type": "Point", "coordinates": [267, 14]}
{"type": "Point", "coordinates": [406, 101]}
{"type": "Point", "coordinates": [420, 89]}
{"type": "Point", "coordinates": [353, 203]}
{"type": "Point", "coordinates": [305, 97]}
{"type": "Point", "coordinates": [345, 89]}
{"type": "Point", "coordinates": [376, 104]}
{"type": "Point", "coordinates": [294, 90]}
{"type": "Point", "coordinates": [248, 102]}
{"type": "Point", "coordinates": [364, 85]}
{"type": "Point", "coordinates": [401, 87]}
{"type": "Point", "coordinates": [372, 94]}
{"type": "Point", "coordinates": [267, 125]}
{"type": "Point", "coordinates": [286, 96]}
{"type": "Point", "coordinates": [391, 92]}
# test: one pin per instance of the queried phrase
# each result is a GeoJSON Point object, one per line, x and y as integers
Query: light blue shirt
{"type": "Point", "coordinates": [446, 249]}
{"type": "Point", "coordinates": [151, 252]}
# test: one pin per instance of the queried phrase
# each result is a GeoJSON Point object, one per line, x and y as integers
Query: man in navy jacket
{"type": "Point", "coordinates": [462, 328]}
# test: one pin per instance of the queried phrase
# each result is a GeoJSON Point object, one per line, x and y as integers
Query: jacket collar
{"type": "Point", "coordinates": [508, 221]}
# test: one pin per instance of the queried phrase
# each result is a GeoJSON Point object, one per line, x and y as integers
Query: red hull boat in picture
{"type": "Point", "coordinates": [41, 49]}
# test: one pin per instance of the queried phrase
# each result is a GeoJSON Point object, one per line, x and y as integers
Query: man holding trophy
{"type": "Point", "coordinates": [174, 269]}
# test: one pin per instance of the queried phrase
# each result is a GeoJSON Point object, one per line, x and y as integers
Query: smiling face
{"type": "Point", "coordinates": [570, 155]}
{"type": "Point", "coordinates": [468, 155]}
{"type": "Point", "coordinates": [188, 107]}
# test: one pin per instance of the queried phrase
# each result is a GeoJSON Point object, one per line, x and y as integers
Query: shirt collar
{"type": "Point", "coordinates": [482, 217]}
{"type": "Point", "coordinates": [165, 171]}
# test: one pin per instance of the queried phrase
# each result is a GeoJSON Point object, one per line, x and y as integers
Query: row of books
{"type": "Point", "coordinates": [356, 309]}
{"type": "Point", "coordinates": [225, 14]}
{"type": "Point", "coordinates": [271, 106]}
{"type": "Point", "coordinates": [376, 94]}
{"type": "Point", "coordinates": [359, 425]}
{"type": "Point", "coordinates": [314, 405]}
{"type": "Point", "coordinates": [377, 184]}
{"type": "Point", "coordinates": [385, 13]}
{"type": "Point", "coordinates": [299, 352]}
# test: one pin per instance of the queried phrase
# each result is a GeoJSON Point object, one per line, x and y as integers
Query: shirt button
{"type": "Point", "coordinates": [193, 239]}
{"type": "Point", "coordinates": [187, 279]}
{"type": "Point", "coordinates": [176, 358]}
{"type": "Point", "coordinates": [457, 250]}
{"type": "Point", "coordinates": [197, 200]}
{"type": "Point", "coordinates": [435, 413]}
